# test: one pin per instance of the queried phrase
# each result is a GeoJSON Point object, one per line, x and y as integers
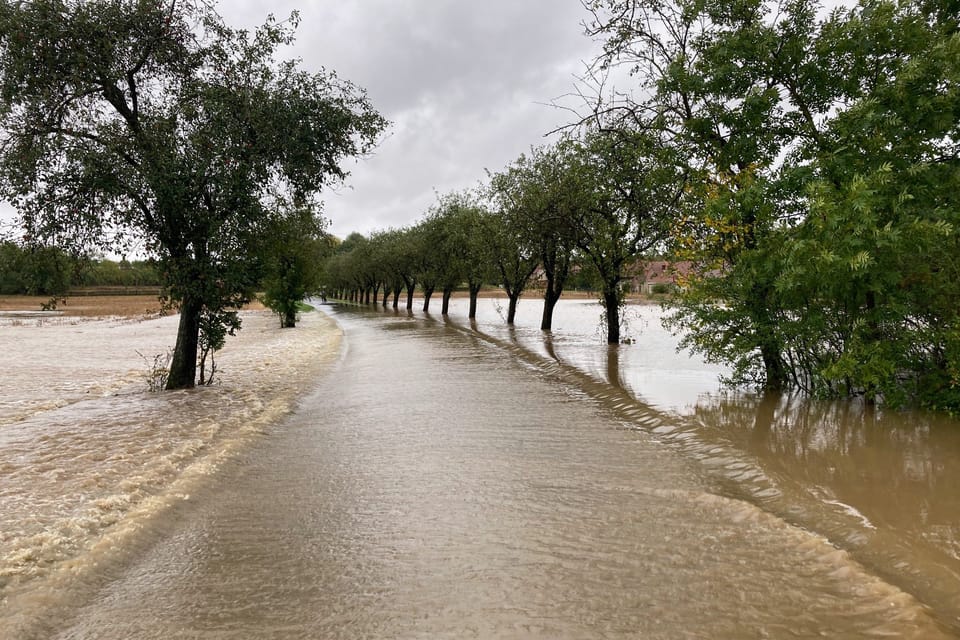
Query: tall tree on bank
{"type": "Point", "coordinates": [157, 121]}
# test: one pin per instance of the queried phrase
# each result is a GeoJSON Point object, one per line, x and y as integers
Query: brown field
{"type": "Point", "coordinates": [94, 306]}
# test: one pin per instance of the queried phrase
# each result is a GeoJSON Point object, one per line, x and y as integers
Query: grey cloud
{"type": "Point", "coordinates": [463, 83]}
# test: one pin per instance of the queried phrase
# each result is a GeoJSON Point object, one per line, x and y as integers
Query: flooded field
{"type": "Point", "coordinates": [449, 479]}
{"type": "Point", "coordinates": [88, 455]}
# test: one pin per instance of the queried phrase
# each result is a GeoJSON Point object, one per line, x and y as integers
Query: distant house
{"type": "Point", "coordinates": [645, 275]}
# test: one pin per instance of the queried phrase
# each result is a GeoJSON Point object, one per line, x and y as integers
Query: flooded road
{"type": "Point", "coordinates": [445, 480]}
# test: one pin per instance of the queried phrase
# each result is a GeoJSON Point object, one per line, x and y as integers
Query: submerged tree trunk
{"type": "Point", "coordinates": [183, 367]}
{"type": "Point", "coordinates": [290, 318]}
{"type": "Point", "coordinates": [776, 373]}
{"type": "Point", "coordinates": [474, 292]}
{"type": "Point", "coordinates": [551, 295]}
{"type": "Point", "coordinates": [396, 295]}
{"type": "Point", "coordinates": [774, 368]}
{"type": "Point", "coordinates": [549, 304]}
{"type": "Point", "coordinates": [410, 288]}
{"type": "Point", "coordinates": [512, 307]}
{"type": "Point", "coordinates": [611, 305]}
{"type": "Point", "coordinates": [556, 268]}
{"type": "Point", "coordinates": [445, 307]}
{"type": "Point", "coordinates": [427, 294]}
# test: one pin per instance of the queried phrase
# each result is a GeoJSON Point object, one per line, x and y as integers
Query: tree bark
{"type": "Point", "coordinates": [556, 268]}
{"type": "Point", "coordinates": [445, 307]}
{"type": "Point", "coordinates": [474, 292]}
{"type": "Point", "coordinates": [396, 295]}
{"type": "Point", "coordinates": [410, 289]}
{"type": "Point", "coordinates": [512, 308]}
{"type": "Point", "coordinates": [549, 304]}
{"type": "Point", "coordinates": [551, 295]}
{"type": "Point", "coordinates": [775, 370]}
{"type": "Point", "coordinates": [183, 367]}
{"type": "Point", "coordinates": [290, 318]}
{"type": "Point", "coordinates": [611, 303]}
{"type": "Point", "coordinates": [427, 294]}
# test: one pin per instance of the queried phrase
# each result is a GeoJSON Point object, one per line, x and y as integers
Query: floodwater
{"type": "Point", "coordinates": [448, 479]}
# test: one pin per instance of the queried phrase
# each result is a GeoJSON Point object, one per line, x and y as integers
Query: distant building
{"type": "Point", "coordinates": [645, 275]}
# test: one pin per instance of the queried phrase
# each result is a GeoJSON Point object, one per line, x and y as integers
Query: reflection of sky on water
{"type": "Point", "coordinates": [650, 367]}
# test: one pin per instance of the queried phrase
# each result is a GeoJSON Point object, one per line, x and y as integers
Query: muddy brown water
{"type": "Point", "coordinates": [453, 480]}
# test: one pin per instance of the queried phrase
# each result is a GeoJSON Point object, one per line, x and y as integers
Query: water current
{"type": "Point", "coordinates": [449, 479]}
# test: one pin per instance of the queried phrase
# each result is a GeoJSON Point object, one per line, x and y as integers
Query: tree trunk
{"type": "Point", "coordinates": [396, 295]}
{"type": "Point", "coordinates": [290, 318]}
{"type": "Point", "coordinates": [549, 304]}
{"type": "Point", "coordinates": [410, 288]}
{"type": "Point", "coordinates": [512, 308]}
{"type": "Point", "coordinates": [474, 292]}
{"type": "Point", "coordinates": [556, 267]}
{"type": "Point", "coordinates": [183, 367]}
{"type": "Point", "coordinates": [551, 295]}
{"type": "Point", "coordinates": [775, 370]}
{"type": "Point", "coordinates": [427, 294]}
{"type": "Point", "coordinates": [445, 307]}
{"type": "Point", "coordinates": [376, 294]}
{"type": "Point", "coordinates": [611, 303]}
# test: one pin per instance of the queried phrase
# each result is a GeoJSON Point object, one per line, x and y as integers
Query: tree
{"type": "Point", "coordinates": [877, 251]}
{"type": "Point", "coordinates": [539, 201]}
{"type": "Point", "coordinates": [825, 156]}
{"type": "Point", "coordinates": [458, 247]}
{"type": "Point", "coordinates": [294, 247]}
{"type": "Point", "coordinates": [632, 187]}
{"type": "Point", "coordinates": [36, 270]}
{"type": "Point", "coordinates": [406, 249]}
{"type": "Point", "coordinates": [709, 76]}
{"type": "Point", "coordinates": [156, 120]}
{"type": "Point", "coordinates": [513, 258]}
{"type": "Point", "coordinates": [357, 267]}
{"type": "Point", "coordinates": [430, 267]}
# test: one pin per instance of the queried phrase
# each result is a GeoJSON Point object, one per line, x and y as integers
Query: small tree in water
{"type": "Point", "coordinates": [293, 253]}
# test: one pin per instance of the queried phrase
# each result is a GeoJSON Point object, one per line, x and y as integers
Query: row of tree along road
{"type": "Point", "coordinates": [587, 207]}
{"type": "Point", "coordinates": [806, 162]}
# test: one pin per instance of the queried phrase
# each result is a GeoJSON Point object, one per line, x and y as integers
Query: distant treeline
{"type": "Point", "coordinates": [50, 271]}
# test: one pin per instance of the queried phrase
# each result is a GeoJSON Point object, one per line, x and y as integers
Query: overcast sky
{"type": "Point", "coordinates": [466, 86]}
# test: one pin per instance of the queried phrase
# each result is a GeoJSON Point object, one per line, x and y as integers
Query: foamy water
{"type": "Point", "coordinates": [87, 453]}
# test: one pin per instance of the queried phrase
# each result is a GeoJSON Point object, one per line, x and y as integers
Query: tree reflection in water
{"type": "Point", "coordinates": [885, 481]}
